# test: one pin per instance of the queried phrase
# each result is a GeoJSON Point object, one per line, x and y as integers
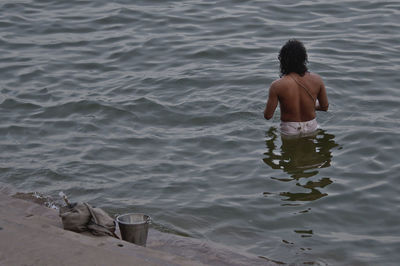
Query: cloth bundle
{"type": "Point", "coordinates": [81, 217]}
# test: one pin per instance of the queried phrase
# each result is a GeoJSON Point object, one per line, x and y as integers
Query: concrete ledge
{"type": "Point", "coordinates": [32, 234]}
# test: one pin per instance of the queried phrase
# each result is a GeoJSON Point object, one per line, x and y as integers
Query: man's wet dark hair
{"type": "Point", "coordinates": [293, 58]}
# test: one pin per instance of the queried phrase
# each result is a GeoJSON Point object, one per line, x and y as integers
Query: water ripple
{"type": "Point", "coordinates": [157, 105]}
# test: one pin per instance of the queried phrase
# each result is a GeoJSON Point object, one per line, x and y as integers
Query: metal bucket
{"type": "Point", "coordinates": [134, 227]}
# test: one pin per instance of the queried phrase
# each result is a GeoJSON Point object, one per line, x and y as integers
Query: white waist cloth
{"type": "Point", "coordinates": [297, 128]}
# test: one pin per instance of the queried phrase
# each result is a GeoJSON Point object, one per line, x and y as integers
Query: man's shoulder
{"type": "Point", "coordinates": [315, 77]}
{"type": "Point", "coordinates": [279, 82]}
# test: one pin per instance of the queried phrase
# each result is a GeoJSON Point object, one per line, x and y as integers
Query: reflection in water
{"type": "Point", "coordinates": [301, 157]}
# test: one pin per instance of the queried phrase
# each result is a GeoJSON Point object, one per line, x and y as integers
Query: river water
{"type": "Point", "coordinates": [156, 106]}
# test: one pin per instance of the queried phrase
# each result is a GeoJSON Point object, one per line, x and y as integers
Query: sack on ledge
{"type": "Point", "coordinates": [81, 217]}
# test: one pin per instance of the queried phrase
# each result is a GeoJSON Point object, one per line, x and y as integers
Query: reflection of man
{"type": "Point", "coordinates": [297, 92]}
{"type": "Point", "coordinates": [301, 158]}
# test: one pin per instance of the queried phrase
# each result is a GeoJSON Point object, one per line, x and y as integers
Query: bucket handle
{"type": "Point", "coordinates": [148, 220]}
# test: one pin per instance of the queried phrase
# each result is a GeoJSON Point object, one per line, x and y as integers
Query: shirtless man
{"type": "Point", "coordinates": [298, 92]}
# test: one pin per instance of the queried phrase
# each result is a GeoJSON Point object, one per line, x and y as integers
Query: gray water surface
{"type": "Point", "coordinates": [156, 107]}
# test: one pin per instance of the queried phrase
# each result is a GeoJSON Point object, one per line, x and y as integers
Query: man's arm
{"type": "Point", "coordinates": [272, 102]}
{"type": "Point", "coordinates": [322, 104]}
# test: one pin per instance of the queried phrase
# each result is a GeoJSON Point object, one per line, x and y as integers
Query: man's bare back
{"type": "Point", "coordinates": [298, 92]}
{"type": "Point", "coordinates": [297, 97]}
